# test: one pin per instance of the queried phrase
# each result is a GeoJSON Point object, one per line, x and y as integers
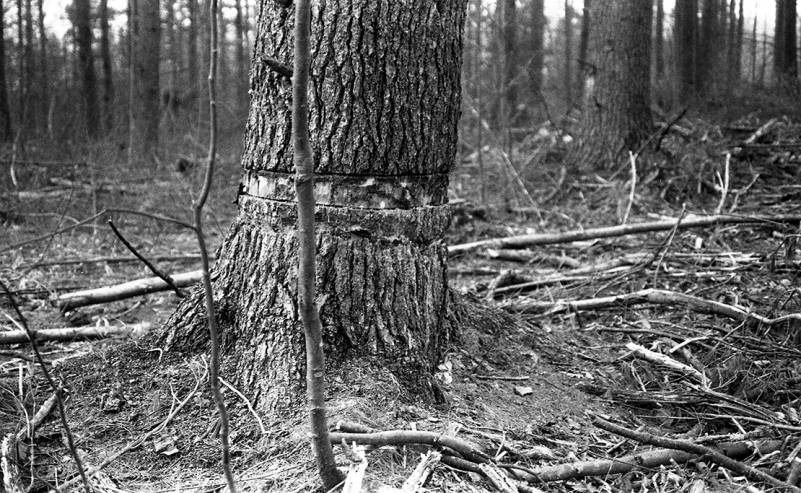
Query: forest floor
{"type": "Point", "coordinates": [530, 395]}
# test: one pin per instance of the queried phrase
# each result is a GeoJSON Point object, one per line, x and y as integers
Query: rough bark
{"type": "Point", "coordinates": [616, 118]}
{"type": "Point", "coordinates": [83, 31]}
{"type": "Point", "coordinates": [384, 107]}
{"type": "Point", "coordinates": [6, 134]}
{"type": "Point", "coordinates": [105, 55]}
{"type": "Point", "coordinates": [146, 78]}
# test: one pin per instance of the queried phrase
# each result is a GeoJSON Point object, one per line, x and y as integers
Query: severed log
{"type": "Point", "coordinates": [716, 456]}
{"type": "Point", "coordinates": [667, 361]}
{"type": "Point", "coordinates": [139, 287]}
{"type": "Point", "coordinates": [525, 241]}
{"type": "Point", "coordinates": [72, 333]}
{"type": "Point", "coordinates": [653, 296]}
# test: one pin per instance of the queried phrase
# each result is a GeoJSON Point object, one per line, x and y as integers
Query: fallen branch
{"type": "Point", "coordinates": [652, 296]}
{"type": "Point", "coordinates": [761, 131]}
{"type": "Point", "coordinates": [667, 361]}
{"type": "Point", "coordinates": [716, 456]}
{"type": "Point", "coordinates": [405, 437]}
{"type": "Point", "coordinates": [139, 287]}
{"type": "Point", "coordinates": [72, 333]}
{"type": "Point", "coordinates": [524, 241]}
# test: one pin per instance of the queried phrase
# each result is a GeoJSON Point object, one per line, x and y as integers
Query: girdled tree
{"type": "Point", "coordinates": [616, 117]}
{"type": "Point", "coordinates": [384, 107]}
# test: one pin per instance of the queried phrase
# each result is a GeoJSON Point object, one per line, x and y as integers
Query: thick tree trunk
{"type": "Point", "coordinates": [6, 134]}
{"type": "Point", "coordinates": [146, 78]}
{"type": "Point", "coordinates": [685, 36]}
{"type": "Point", "coordinates": [385, 99]}
{"type": "Point", "coordinates": [86, 61]}
{"type": "Point", "coordinates": [785, 59]}
{"type": "Point", "coordinates": [617, 117]}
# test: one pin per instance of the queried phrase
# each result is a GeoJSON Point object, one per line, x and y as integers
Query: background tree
{"type": "Point", "coordinates": [105, 56]}
{"type": "Point", "coordinates": [617, 116]}
{"type": "Point", "coordinates": [147, 43]}
{"type": "Point", "coordinates": [785, 49]}
{"type": "Point", "coordinates": [83, 30]}
{"type": "Point", "coordinates": [659, 40]}
{"type": "Point", "coordinates": [381, 260]}
{"type": "Point", "coordinates": [537, 47]}
{"type": "Point", "coordinates": [686, 49]}
{"type": "Point", "coordinates": [6, 133]}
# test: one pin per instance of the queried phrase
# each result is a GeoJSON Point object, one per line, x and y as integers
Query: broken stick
{"type": "Point", "coordinates": [613, 231]}
{"type": "Point", "coordinates": [139, 287]}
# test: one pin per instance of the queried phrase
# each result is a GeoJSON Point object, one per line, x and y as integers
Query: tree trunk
{"type": "Point", "coordinates": [510, 61]}
{"type": "Point", "coordinates": [105, 54]}
{"type": "Point", "coordinates": [686, 26]}
{"type": "Point", "coordinates": [193, 79]}
{"type": "Point", "coordinates": [708, 48]}
{"type": "Point", "coordinates": [242, 63]}
{"type": "Point", "coordinates": [146, 79]}
{"type": "Point", "coordinates": [31, 102]}
{"type": "Point", "coordinates": [44, 76]}
{"type": "Point", "coordinates": [617, 116]}
{"type": "Point", "coordinates": [568, 55]}
{"type": "Point", "coordinates": [785, 60]}
{"type": "Point", "coordinates": [754, 43]}
{"type": "Point", "coordinates": [83, 29]}
{"type": "Point", "coordinates": [659, 40]}
{"type": "Point", "coordinates": [6, 133]}
{"type": "Point", "coordinates": [738, 46]}
{"type": "Point", "coordinates": [537, 47]}
{"type": "Point", "coordinates": [168, 96]}
{"type": "Point", "coordinates": [384, 108]}
{"type": "Point", "coordinates": [22, 113]}
{"type": "Point", "coordinates": [584, 42]}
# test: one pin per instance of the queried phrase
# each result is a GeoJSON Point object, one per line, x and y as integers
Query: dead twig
{"type": "Point", "coordinates": [155, 270]}
{"type": "Point", "coordinates": [72, 333]}
{"type": "Point", "coordinates": [715, 456]}
{"type": "Point", "coordinates": [406, 437]}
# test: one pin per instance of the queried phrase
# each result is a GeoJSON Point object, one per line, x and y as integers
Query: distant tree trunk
{"type": "Point", "coordinates": [105, 55]}
{"type": "Point", "coordinates": [31, 102]}
{"type": "Point", "coordinates": [223, 63]}
{"type": "Point", "coordinates": [617, 117]}
{"type": "Point", "coordinates": [568, 55]}
{"type": "Point", "coordinates": [22, 86]}
{"type": "Point", "coordinates": [709, 47]}
{"type": "Point", "coordinates": [659, 41]}
{"type": "Point", "coordinates": [146, 78]}
{"type": "Point", "coordinates": [785, 60]}
{"type": "Point", "coordinates": [584, 41]}
{"type": "Point", "coordinates": [242, 63]}
{"type": "Point", "coordinates": [510, 61]}
{"type": "Point", "coordinates": [731, 40]}
{"type": "Point", "coordinates": [6, 133]}
{"type": "Point", "coordinates": [764, 55]}
{"type": "Point", "coordinates": [44, 76]}
{"type": "Point", "coordinates": [193, 79]}
{"type": "Point", "coordinates": [168, 96]}
{"type": "Point", "coordinates": [754, 43]}
{"type": "Point", "coordinates": [382, 157]}
{"type": "Point", "coordinates": [537, 47]}
{"type": "Point", "coordinates": [738, 47]}
{"type": "Point", "coordinates": [86, 62]}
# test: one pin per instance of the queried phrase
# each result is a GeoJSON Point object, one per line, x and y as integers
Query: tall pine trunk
{"type": "Point", "coordinates": [384, 108]}
{"type": "Point", "coordinates": [6, 133]}
{"type": "Point", "coordinates": [685, 37]}
{"type": "Point", "coordinates": [105, 56]}
{"type": "Point", "coordinates": [86, 62]}
{"type": "Point", "coordinates": [617, 116]}
{"type": "Point", "coordinates": [146, 79]}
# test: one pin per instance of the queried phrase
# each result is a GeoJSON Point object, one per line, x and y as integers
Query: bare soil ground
{"type": "Point", "coordinates": [526, 393]}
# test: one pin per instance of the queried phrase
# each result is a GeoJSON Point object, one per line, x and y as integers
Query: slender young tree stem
{"type": "Point", "coordinates": [208, 294]}
{"type": "Point", "coordinates": [304, 187]}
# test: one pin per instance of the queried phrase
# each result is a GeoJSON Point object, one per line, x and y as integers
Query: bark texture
{"type": "Point", "coordinates": [384, 105]}
{"type": "Point", "coordinates": [616, 117]}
